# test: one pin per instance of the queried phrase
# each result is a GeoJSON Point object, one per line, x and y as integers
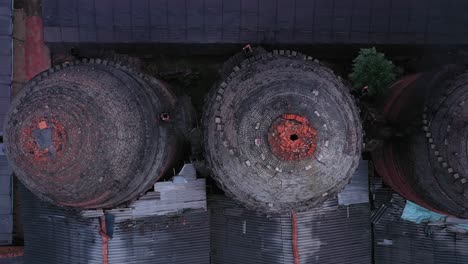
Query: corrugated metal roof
{"type": "Point", "coordinates": [397, 241]}
{"type": "Point", "coordinates": [357, 191]}
{"type": "Point", "coordinates": [328, 234]}
{"type": "Point", "coordinates": [6, 204]}
{"type": "Point", "coordinates": [380, 193]}
{"type": "Point", "coordinates": [6, 50]}
{"type": "Point", "coordinates": [17, 260]}
{"type": "Point", "coordinates": [58, 235]}
{"type": "Point", "coordinates": [176, 239]}
{"type": "Point", "coordinates": [256, 21]}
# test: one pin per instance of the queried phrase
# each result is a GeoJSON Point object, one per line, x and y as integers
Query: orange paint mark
{"type": "Point", "coordinates": [295, 244]}
{"type": "Point", "coordinates": [105, 240]}
{"type": "Point", "coordinates": [42, 125]}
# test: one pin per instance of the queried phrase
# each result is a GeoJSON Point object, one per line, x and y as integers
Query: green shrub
{"type": "Point", "coordinates": [372, 69]}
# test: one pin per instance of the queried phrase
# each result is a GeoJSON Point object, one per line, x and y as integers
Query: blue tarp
{"type": "Point", "coordinates": [417, 214]}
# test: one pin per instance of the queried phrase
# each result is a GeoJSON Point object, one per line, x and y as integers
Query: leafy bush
{"type": "Point", "coordinates": [372, 69]}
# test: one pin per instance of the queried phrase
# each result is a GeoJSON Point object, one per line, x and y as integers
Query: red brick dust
{"type": "Point", "coordinates": [30, 146]}
{"type": "Point", "coordinates": [292, 138]}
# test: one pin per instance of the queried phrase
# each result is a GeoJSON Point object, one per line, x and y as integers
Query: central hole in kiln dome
{"type": "Point", "coordinates": [294, 137]}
